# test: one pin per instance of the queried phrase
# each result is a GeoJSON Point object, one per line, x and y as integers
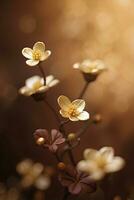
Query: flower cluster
{"type": "Point", "coordinates": [77, 177]}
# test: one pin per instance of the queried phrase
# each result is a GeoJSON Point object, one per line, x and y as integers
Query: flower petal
{"type": "Point", "coordinates": [53, 83]}
{"type": "Point", "coordinates": [64, 102]}
{"type": "Point", "coordinates": [27, 53]}
{"type": "Point", "coordinates": [97, 175]}
{"type": "Point", "coordinates": [45, 55]}
{"type": "Point", "coordinates": [43, 89]}
{"type": "Point", "coordinates": [74, 119]}
{"type": "Point", "coordinates": [32, 62]}
{"type": "Point", "coordinates": [79, 104]}
{"type": "Point", "coordinates": [90, 154]}
{"type": "Point", "coordinates": [82, 166]}
{"type": "Point", "coordinates": [107, 153]}
{"type": "Point", "coordinates": [64, 113]}
{"type": "Point", "coordinates": [39, 46]}
{"type": "Point", "coordinates": [42, 182]}
{"type": "Point", "coordinates": [32, 80]}
{"type": "Point", "coordinates": [75, 188]}
{"type": "Point", "coordinates": [116, 164]}
{"type": "Point", "coordinates": [49, 79]}
{"type": "Point", "coordinates": [83, 115]}
{"type": "Point", "coordinates": [25, 91]}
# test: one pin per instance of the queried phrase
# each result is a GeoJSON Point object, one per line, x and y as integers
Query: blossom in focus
{"type": "Point", "coordinates": [76, 181]}
{"type": "Point", "coordinates": [90, 67]}
{"type": "Point", "coordinates": [50, 140]}
{"type": "Point", "coordinates": [72, 110]}
{"type": "Point", "coordinates": [35, 84]}
{"type": "Point", "coordinates": [37, 54]}
{"type": "Point", "coordinates": [98, 163]}
{"type": "Point", "coordinates": [33, 174]}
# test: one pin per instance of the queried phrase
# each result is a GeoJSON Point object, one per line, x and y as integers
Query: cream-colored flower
{"type": "Point", "coordinates": [33, 174]}
{"type": "Point", "coordinates": [98, 163]}
{"type": "Point", "coordinates": [90, 67]}
{"type": "Point", "coordinates": [37, 54]}
{"type": "Point", "coordinates": [72, 110]}
{"type": "Point", "coordinates": [35, 84]}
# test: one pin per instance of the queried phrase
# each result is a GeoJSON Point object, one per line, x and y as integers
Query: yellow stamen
{"type": "Point", "coordinates": [36, 55]}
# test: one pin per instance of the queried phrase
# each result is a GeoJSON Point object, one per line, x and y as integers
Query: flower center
{"type": "Point", "coordinates": [37, 85]}
{"type": "Point", "coordinates": [101, 163]}
{"type": "Point", "coordinates": [73, 112]}
{"type": "Point", "coordinates": [36, 55]}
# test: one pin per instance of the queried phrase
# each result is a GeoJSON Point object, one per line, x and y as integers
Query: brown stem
{"type": "Point", "coordinates": [61, 127]}
{"type": "Point", "coordinates": [62, 130]}
{"type": "Point", "coordinates": [43, 73]}
{"type": "Point", "coordinates": [53, 110]}
{"type": "Point", "coordinates": [84, 129]}
{"type": "Point", "coordinates": [66, 194]}
{"type": "Point", "coordinates": [83, 90]}
{"type": "Point", "coordinates": [57, 157]}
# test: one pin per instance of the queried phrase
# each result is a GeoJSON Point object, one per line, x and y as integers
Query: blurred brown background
{"type": "Point", "coordinates": [72, 30]}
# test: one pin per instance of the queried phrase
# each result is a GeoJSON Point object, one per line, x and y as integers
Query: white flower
{"type": "Point", "coordinates": [42, 182]}
{"type": "Point", "coordinates": [90, 67]}
{"type": "Point", "coordinates": [35, 84]}
{"type": "Point", "coordinates": [37, 54]}
{"type": "Point", "coordinates": [98, 163]}
{"type": "Point", "coordinates": [72, 110]}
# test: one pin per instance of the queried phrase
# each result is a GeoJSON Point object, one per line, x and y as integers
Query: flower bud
{"type": "Point", "coordinates": [71, 136]}
{"type": "Point", "coordinates": [97, 118]}
{"type": "Point", "coordinates": [40, 141]}
{"type": "Point", "coordinates": [61, 166]}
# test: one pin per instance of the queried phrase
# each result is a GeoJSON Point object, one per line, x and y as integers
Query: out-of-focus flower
{"type": "Point", "coordinates": [90, 69]}
{"type": "Point", "coordinates": [37, 54]}
{"type": "Point", "coordinates": [42, 182]}
{"type": "Point", "coordinates": [98, 163]}
{"type": "Point", "coordinates": [35, 85]}
{"type": "Point", "coordinates": [51, 140]}
{"type": "Point", "coordinates": [33, 174]}
{"type": "Point", "coordinates": [72, 110]}
{"type": "Point", "coordinates": [88, 66]}
{"type": "Point", "coordinates": [76, 181]}
{"type": "Point", "coordinates": [24, 167]}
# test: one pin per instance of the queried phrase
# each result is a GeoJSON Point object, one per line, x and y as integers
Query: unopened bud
{"type": "Point", "coordinates": [71, 136]}
{"type": "Point", "coordinates": [97, 118]}
{"type": "Point", "coordinates": [61, 166]}
{"type": "Point", "coordinates": [40, 141]}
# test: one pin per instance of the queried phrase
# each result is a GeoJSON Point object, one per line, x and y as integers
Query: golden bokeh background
{"type": "Point", "coordinates": [72, 30]}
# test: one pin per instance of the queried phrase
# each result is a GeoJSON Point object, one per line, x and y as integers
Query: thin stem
{"type": "Point", "coordinates": [53, 110]}
{"type": "Point", "coordinates": [83, 90]}
{"type": "Point", "coordinates": [84, 129]}
{"type": "Point", "coordinates": [61, 129]}
{"type": "Point", "coordinates": [57, 157]}
{"type": "Point", "coordinates": [43, 73]}
{"type": "Point", "coordinates": [66, 194]}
